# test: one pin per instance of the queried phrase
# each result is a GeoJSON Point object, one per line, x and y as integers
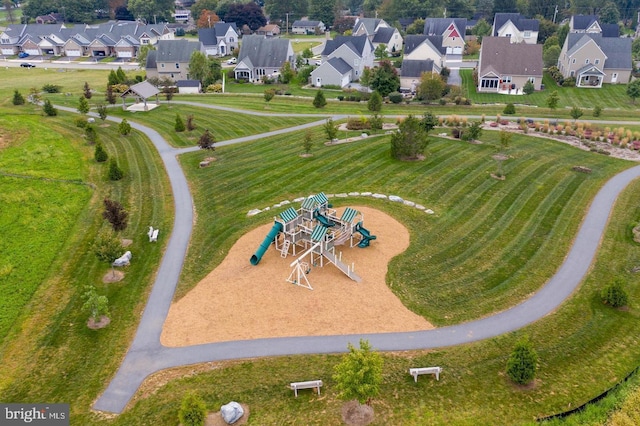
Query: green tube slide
{"type": "Point", "coordinates": [277, 228]}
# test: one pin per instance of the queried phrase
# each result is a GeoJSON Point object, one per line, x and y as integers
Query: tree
{"type": "Point", "coordinates": [18, 99]}
{"type": "Point", "coordinates": [509, 109]}
{"type": "Point", "coordinates": [278, 9]}
{"type": "Point", "coordinates": [552, 100]}
{"type": "Point", "coordinates": [359, 374]}
{"type": "Point", "coordinates": [505, 6]}
{"type": "Point", "coordinates": [431, 87]}
{"type": "Point", "coordinates": [152, 11]}
{"type": "Point", "coordinates": [481, 29]}
{"type": "Point", "coordinates": [287, 73]}
{"type": "Point", "coordinates": [381, 51]}
{"type": "Point", "coordinates": [429, 121]}
{"type": "Point", "coordinates": [522, 363]}
{"type": "Point", "coordinates": [576, 113]}
{"type": "Point", "coordinates": [269, 94]}
{"type": "Point", "coordinates": [193, 411]}
{"type": "Point", "coordinates": [202, 5]}
{"type": "Point", "coordinates": [609, 13]}
{"type": "Point", "coordinates": [550, 55]}
{"type": "Point", "coordinates": [100, 154]}
{"type": "Point", "coordinates": [635, 48]}
{"type": "Point", "coordinates": [249, 14]}
{"type": "Point", "coordinates": [410, 141]}
{"type": "Point", "coordinates": [384, 78]}
{"type": "Point", "coordinates": [110, 96]}
{"type": "Point", "coordinates": [102, 111]}
{"type": "Point", "coordinates": [473, 132]}
{"type": "Point", "coordinates": [91, 134]}
{"type": "Point", "coordinates": [505, 140]}
{"type": "Point", "coordinates": [8, 7]}
{"type": "Point", "coordinates": [49, 109]}
{"type": "Point", "coordinates": [322, 10]}
{"type": "Point", "coordinates": [34, 96]}
{"type": "Point", "coordinates": [417, 27]}
{"type": "Point", "coordinates": [206, 141]}
{"type": "Point", "coordinates": [207, 19]}
{"type": "Point", "coordinates": [319, 101]}
{"type": "Point", "coordinates": [597, 111]}
{"type": "Point", "coordinates": [83, 105]}
{"type": "Point", "coordinates": [331, 129]}
{"type": "Point", "coordinates": [95, 305]}
{"type": "Point", "coordinates": [115, 172]}
{"type": "Point", "coordinates": [614, 294]}
{"type": "Point", "coordinates": [307, 142]}
{"type": "Point", "coordinates": [562, 34]}
{"type": "Point", "coordinates": [107, 246]}
{"type": "Point", "coordinates": [179, 126]}
{"type": "Point", "coordinates": [143, 53]}
{"type": "Point", "coordinates": [115, 214]}
{"type": "Point", "coordinates": [528, 88]}
{"type": "Point", "coordinates": [206, 70]}
{"type": "Point", "coordinates": [633, 90]}
{"type": "Point", "coordinates": [122, 77]}
{"type": "Point", "coordinates": [191, 125]}
{"type": "Point", "coordinates": [344, 23]}
{"type": "Point", "coordinates": [375, 102]}
{"type": "Point", "coordinates": [87, 91]}
{"type": "Point", "coordinates": [124, 128]}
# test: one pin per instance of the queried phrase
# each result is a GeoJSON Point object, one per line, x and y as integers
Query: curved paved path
{"type": "Point", "coordinates": [147, 355]}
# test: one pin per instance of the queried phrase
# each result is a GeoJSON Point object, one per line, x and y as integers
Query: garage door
{"type": "Point", "coordinates": [125, 54]}
{"type": "Point", "coordinates": [457, 50]}
{"type": "Point", "coordinates": [73, 53]}
{"type": "Point", "coordinates": [35, 52]}
{"type": "Point", "coordinates": [7, 51]}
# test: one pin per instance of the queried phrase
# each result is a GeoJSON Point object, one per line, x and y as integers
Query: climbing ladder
{"type": "Point", "coordinates": [285, 248]}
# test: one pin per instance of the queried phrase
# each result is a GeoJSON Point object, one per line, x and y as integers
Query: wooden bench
{"type": "Point", "coordinates": [415, 372]}
{"type": "Point", "coordinates": [311, 384]}
{"type": "Point", "coordinates": [154, 236]}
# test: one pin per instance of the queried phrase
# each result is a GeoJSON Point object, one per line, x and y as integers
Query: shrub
{"type": "Point", "coordinates": [18, 99]}
{"type": "Point", "coordinates": [375, 122]}
{"type": "Point", "coordinates": [81, 122]}
{"type": "Point", "coordinates": [597, 111]}
{"type": "Point", "coordinates": [107, 247]}
{"type": "Point", "coordinates": [375, 102]}
{"type": "Point", "coordinates": [193, 411]}
{"type": "Point", "coordinates": [359, 374]}
{"type": "Point", "coordinates": [100, 154]}
{"type": "Point", "coordinates": [91, 134]}
{"type": "Point", "coordinates": [95, 305]}
{"type": "Point", "coordinates": [358, 123]}
{"type": "Point", "coordinates": [331, 129]}
{"type": "Point", "coordinates": [214, 88]}
{"type": "Point", "coordinates": [522, 363]}
{"type": "Point", "coordinates": [49, 109]}
{"type": "Point", "coordinates": [614, 294]}
{"type": "Point", "coordinates": [319, 101]}
{"type": "Point", "coordinates": [269, 94]}
{"type": "Point", "coordinates": [509, 109]}
{"type": "Point", "coordinates": [179, 126]}
{"type": "Point", "coordinates": [51, 88]}
{"type": "Point", "coordinates": [569, 82]}
{"type": "Point", "coordinates": [528, 88]}
{"type": "Point", "coordinates": [191, 125]}
{"type": "Point", "coordinates": [124, 128]}
{"type": "Point", "coordinates": [115, 172]}
{"type": "Point", "coordinates": [395, 97]}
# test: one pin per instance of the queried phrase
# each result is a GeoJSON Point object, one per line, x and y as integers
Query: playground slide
{"type": "Point", "coordinates": [255, 259]}
{"type": "Point", "coordinates": [323, 219]}
{"type": "Point", "coordinates": [366, 236]}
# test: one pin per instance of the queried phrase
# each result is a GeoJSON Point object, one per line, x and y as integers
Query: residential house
{"type": "Point", "coordinates": [171, 59]}
{"type": "Point", "coordinates": [121, 39]}
{"type": "Point", "coordinates": [269, 30]}
{"type": "Point", "coordinates": [354, 51]}
{"type": "Point", "coordinates": [379, 32]}
{"type": "Point", "coordinates": [220, 40]}
{"type": "Point", "coordinates": [591, 24]}
{"type": "Point", "coordinates": [182, 15]}
{"type": "Point", "coordinates": [52, 18]}
{"type": "Point", "coordinates": [516, 27]}
{"type": "Point", "coordinates": [308, 27]}
{"type": "Point", "coordinates": [424, 47]}
{"type": "Point", "coordinates": [261, 56]}
{"type": "Point", "coordinates": [593, 59]}
{"type": "Point", "coordinates": [412, 70]}
{"type": "Point", "coordinates": [506, 67]}
{"type": "Point", "coordinates": [452, 31]}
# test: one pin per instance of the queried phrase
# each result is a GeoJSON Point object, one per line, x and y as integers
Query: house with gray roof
{"type": "Point", "coordinates": [333, 72]}
{"type": "Point", "coordinates": [452, 31]}
{"type": "Point", "coordinates": [357, 51]}
{"type": "Point", "coordinates": [305, 26]}
{"type": "Point", "coordinates": [412, 70]}
{"type": "Point", "coordinates": [171, 59]}
{"type": "Point", "coordinates": [219, 40]}
{"type": "Point", "coordinates": [424, 47]}
{"type": "Point", "coordinates": [262, 57]}
{"type": "Point", "coordinates": [516, 27]}
{"type": "Point", "coordinates": [506, 67]}
{"type": "Point", "coordinates": [592, 24]}
{"type": "Point", "coordinates": [379, 32]}
{"type": "Point", "coordinates": [593, 59]}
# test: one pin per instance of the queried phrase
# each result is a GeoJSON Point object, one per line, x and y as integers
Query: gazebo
{"type": "Point", "coordinates": [141, 91]}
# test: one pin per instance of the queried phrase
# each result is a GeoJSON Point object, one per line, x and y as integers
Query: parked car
{"type": "Point", "coordinates": [232, 61]}
{"type": "Point", "coordinates": [23, 55]}
{"type": "Point", "coordinates": [27, 65]}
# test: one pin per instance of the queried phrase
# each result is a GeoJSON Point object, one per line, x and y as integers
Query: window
{"type": "Point", "coordinates": [597, 61]}
{"type": "Point", "coordinates": [532, 80]}
{"type": "Point", "coordinates": [573, 73]}
{"type": "Point", "coordinates": [177, 65]}
{"type": "Point", "coordinates": [586, 61]}
{"type": "Point", "coordinates": [231, 40]}
{"type": "Point", "coordinates": [356, 62]}
{"type": "Point", "coordinates": [506, 79]}
{"type": "Point", "coordinates": [508, 35]}
{"type": "Point", "coordinates": [145, 41]}
{"type": "Point", "coordinates": [527, 34]}
{"type": "Point", "coordinates": [573, 61]}
{"type": "Point", "coordinates": [161, 65]}
{"type": "Point", "coordinates": [489, 83]}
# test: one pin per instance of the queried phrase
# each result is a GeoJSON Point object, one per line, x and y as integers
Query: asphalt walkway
{"type": "Point", "coordinates": [147, 356]}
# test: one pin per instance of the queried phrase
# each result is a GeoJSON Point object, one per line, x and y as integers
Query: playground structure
{"type": "Point", "coordinates": [315, 229]}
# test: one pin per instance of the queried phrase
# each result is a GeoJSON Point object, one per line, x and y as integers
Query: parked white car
{"type": "Point", "coordinates": [232, 61]}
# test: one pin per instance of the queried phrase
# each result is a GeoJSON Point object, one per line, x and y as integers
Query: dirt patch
{"type": "Point", "coordinates": [126, 242]}
{"type": "Point", "coordinates": [356, 414]}
{"type": "Point", "coordinates": [239, 301]}
{"type": "Point", "coordinates": [113, 276]}
{"type": "Point", "coordinates": [215, 419]}
{"type": "Point", "coordinates": [97, 325]}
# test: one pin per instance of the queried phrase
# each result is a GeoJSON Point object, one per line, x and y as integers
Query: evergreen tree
{"type": "Point", "coordinates": [410, 141]}
{"type": "Point", "coordinates": [614, 294]}
{"type": "Point", "coordinates": [113, 78]}
{"type": "Point", "coordinates": [102, 111]}
{"type": "Point", "coordinates": [179, 126]}
{"type": "Point", "coordinates": [18, 99]}
{"type": "Point", "coordinates": [206, 141]}
{"type": "Point", "coordinates": [115, 172]}
{"type": "Point", "coordinates": [115, 214]}
{"type": "Point", "coordinates": [122, 77]}
{"type": "Point", "coordinates": [87, 91]}
{"type": "Point", "coordinates": [522, 363]}
{"type": "Point", "coordinates": [110, 96]}
{"type": "Point", "coordinates": [100, 154]}
{"type": "Point", "coordinates": [83, 105]}
{"type": "Point", "coordinates": [319, 101]}
{"type": "Point", "coordinates": [384, 78]}
{"type": "Point", "coordinates": [331, 129]}
{"type": "Point", "coordinates": [91, 134]}
{"type": "Point", "coordinates": [49, 109]}
{"type": "Point", "coordinates": [124, 128]}
{"type": "Point", "coordinates": [375, 102]}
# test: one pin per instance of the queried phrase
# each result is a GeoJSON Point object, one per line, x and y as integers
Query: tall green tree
{"type": "Point", "coordinates": [522, 363]}
{"type": "Point", "coordinates": [278, 9]}
{"type": "Point", "coordinates": [152, 10]}
{"type": "Point", "coordinates": [375, 102]}
{"type": "Point", "coordinates": [322, 10]}
{"type": "Point", "coordinates": [505, 6]}
{"type": "Point", "coordinates": [359, 374]}
{"type": "Point", "coordinates": [9, 10]}
{"type": "Point", "coordinates": [552, 100]}
{"type": "Point", "coordinates": [319, 101]}
{"type": "Point", "coordinates": [384, 78]}
{"type": "Point", "coordinates": [481, 29]}
{"type": "Point", "coordinates": [609, 14]}
{"type": "Point", "coordinates": [633, 90]}
{"type": "Point", "coordinates": [431, 87]}
{"type": "Point", "coordinates": [550, 56]}
{"type": "Point", "coordinates": [200, 5]}
{"type": "Point", "coordinates": [410, 141]}
{"type": "Point", "coordinates": [83, 105]}
{"type": "Point", "coordinates": [562, 32]}
{"type": "Point", "coordinates": [142, 55]}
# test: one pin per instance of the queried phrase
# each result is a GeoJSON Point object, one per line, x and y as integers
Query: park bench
{"type": "Point", "coordinates": [154, 236]}
{"type": "Point", "coordinates": [311, 384]}
{"type": "Point", "coordinates": [415, 372]}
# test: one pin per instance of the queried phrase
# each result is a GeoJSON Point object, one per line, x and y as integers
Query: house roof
{"type": "Point", "coordinates": [356, 43]}
{"type": "Point", "coordinates": [207, 36]}
{"type": "Point", "coordinates": [340, 65]}
{"type": "Point", "coordinates": [188, 83]}
{"type": "Point", "coordinates": [175, 50]}
{"type": "Point", "coordinates": [617, 50]}
{"type": "Point", "coordinates": [306, 23]}
{"type": "Point", "coordinates": [143, 89]}
{"type": "Point", "coordinates": [582, 22]}
{"type": "Point", "coordinates": [151, 60]}
{"type": "Point", "coordinates": [520, 22]}
{"type": "Point", "coordinates": [415, 68]}
{"type": "Point", "coordinates": [610, 30]}
{"type": "Point", "coordinates": [264, 52]}
{"type": "Point", "coordinates": [370, 24]}
{"type": "Point", "coordinates": [590, 69]}
{"type": "Point", "coordinates": [411, 42]}
{"type": "Point", "coordinates": [384, 35]}
{"type": "Point", "coordinates": [438, 26]}
{"type": "Point", "coordinates": [500, 56]}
